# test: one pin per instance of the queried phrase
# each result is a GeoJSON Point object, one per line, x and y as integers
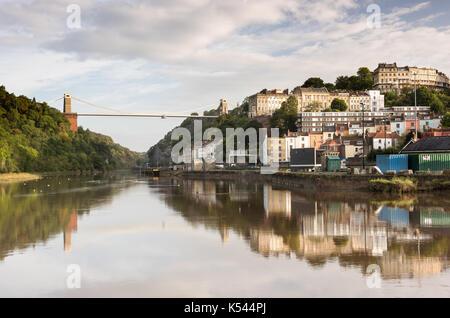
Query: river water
{"type": "Point", "coordinates": [129, 236]}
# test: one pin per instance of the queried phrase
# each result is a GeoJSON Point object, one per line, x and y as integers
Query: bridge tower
{"type": "Point", "coordinates": [71, 117]}
{"type": "Point", "coordinates": [223, 107]}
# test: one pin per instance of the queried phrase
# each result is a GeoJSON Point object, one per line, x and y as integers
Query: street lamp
{"type": "Point", "coordinates": [364, 136]}
{"type": "Point", "coordinates": [415, 104]}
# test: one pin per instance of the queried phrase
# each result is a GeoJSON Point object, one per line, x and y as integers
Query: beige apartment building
{"type": "Point", "coordinates": [390, 77]}
{"type": "Point", "coordinates": [266, 102]}
{"type": "Point", "coordinates": [356, 98]}
{"type": "Point", "coordinates": [309, 95]}
{"type": "Point", "coordinates": [344, 95]}
{"type": "Point", "coordinates": [276, 147]}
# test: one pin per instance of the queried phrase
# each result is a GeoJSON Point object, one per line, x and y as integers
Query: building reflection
{"type": "Point", "coordinates": [277, 201]}
{"type": "Point", "coordinates": [71, 227]}
{"type": "Point", "coordinates": [408, 241]}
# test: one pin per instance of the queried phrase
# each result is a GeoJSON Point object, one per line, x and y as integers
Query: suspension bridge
{"type": "Point", "coordinates": [73, 117]}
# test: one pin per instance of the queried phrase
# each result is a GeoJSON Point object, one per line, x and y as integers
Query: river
{"type": "Point", "coordinates": [128, 236]}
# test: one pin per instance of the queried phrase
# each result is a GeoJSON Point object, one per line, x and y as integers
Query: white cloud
{"type": "Point", "coordinates": [177, 56]}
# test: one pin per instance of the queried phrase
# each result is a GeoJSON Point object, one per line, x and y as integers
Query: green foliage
{"type": "Point", "coordinates": [362, 81]}
{"type": "Point", "coordinates": [396, 184]}
{"type": "Point", "coordinates": [285, 118]}
{"type": "Point", "coordinates": [330, 87]}
{"type": "Point", "coordinates": [36, 137]}
{"type": "Point", "coordinates": [439, 102]}
{"type": "Point", "coordinates": [436, 105]}
{"type": "Point", "coordinates": [445, 121]}
{"type": "Point", "coordinates": [424, 96]}
{"type": "Point", "coordinates": [160, 154]}
{"type": "Point", "coordinates": [315, 82]}
{"type": "Point", "coordinates": [314, 106]}
{"type": "Point", "coordinates": [338, 105]}
{"type": "Point", "coordinates": [365, 78]}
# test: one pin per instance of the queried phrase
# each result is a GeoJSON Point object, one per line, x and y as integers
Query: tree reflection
{"type": "Point", "coordinates": [33, 212]}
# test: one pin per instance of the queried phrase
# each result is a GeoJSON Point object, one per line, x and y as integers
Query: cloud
{"type": "Point", "coordinates": [178, 55]}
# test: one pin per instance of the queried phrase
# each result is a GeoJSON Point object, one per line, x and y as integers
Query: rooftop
{"type": "Point", "coordinates": [384, 135]}
{"type": "Point", "coordinates": [301, 90]}
{"type": "Point", "coordinates": [433, 144]}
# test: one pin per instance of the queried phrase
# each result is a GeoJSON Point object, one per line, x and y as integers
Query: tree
{"type": "Point", "coordinates": [361, 81]}
{"type": "Point", "coordinates": [436, 105]}
{"type": "Point", "coordinates": [390, 99]}
{"type": "Point", "coordinates": [330, 87]}
{"type": "Point", "coordinates": [354, 83]}
{"type": "Point", "coordinates": [365, 78]}
{"type": "Point", "coordinates": [36, 137]}
{"type": "Point", "coordinates": [314, 82]}
{"type": "Point", "coordinates": [314, 106]}
{"type": "Point", "coordinates": [424, 96]}
{"type": "Point", "coordinates": [285, 118]}
{"type": "Point", "coordinates": [445, 121]}
{"type": "Point", "coordinates": [342, 82]}
{"type": "Point", "coordinates": [338, 105]}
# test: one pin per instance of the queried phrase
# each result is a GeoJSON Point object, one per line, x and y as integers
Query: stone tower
{"type": "Point", "coordinates": [71, 117]}
{"type": "Point", "coordinates": [223, 107]}
{"type": "Point", "coordinates": [67, 103]}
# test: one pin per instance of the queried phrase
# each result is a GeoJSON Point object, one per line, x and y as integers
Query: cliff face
{"type": "Point", "coordinates": [160, 154]}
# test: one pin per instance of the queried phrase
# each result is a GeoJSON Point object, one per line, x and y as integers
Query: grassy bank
{"type": "Point", "coordinates": [17, 177]}
{"type": "Point", "coordinates": [401, 185]}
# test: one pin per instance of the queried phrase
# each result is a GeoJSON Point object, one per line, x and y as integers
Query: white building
{"type": "Point", "coordinates": [372, 100]}
{"type": "Point", "coordinates": [355, 129]}
{"type": "Point", "coordinates": [398, 126]}
{"type": "Point", "coordinates": [295, 142]}
{"type": "Point", "coordinates": [382, 140]}
{"type": "Point", "coordinates": [376, 101]}
{"type": "Point", "coordinates": [356, 99]}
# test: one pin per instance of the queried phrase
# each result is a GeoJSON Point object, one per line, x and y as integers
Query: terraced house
{"type": "Point", "coordinates": [308, 96]}
{"type": "Point", "coordinates": [266, 102]}
{"type": "Point", "coordinates": [390, 77]}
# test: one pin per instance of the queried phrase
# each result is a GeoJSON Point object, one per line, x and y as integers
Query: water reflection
{"type": "Point", "coordinates": [406, 238]}
{"type": "Point", "coordinates": [187, 234]}
{"type": "Point", "coordinates": [33, 212]}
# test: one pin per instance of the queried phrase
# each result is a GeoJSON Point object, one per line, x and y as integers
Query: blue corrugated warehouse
{"type": "Point", "coordinates": [392, 162]}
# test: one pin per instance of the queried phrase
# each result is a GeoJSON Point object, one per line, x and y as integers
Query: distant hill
{"type": "Point", "coordinates": [36, 137]}
{"type": "Point", "coordinates": [160, 153]}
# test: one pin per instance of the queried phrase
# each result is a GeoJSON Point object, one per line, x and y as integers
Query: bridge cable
{"type": "Point", "coordinates": [98, 106]}
{"type": "Point", "coordinates": [55, 100]}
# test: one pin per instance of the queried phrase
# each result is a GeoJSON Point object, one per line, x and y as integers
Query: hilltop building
{"type": "Point", "coordinates": [266, 102]}
{"type": "Point", "coordinates": [308, 95]}
{"type": "Point", "coordinates": [390, 77]}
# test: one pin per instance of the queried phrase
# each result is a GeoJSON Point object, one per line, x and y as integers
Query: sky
{"type": "Point", "coordinates": [183, 56]}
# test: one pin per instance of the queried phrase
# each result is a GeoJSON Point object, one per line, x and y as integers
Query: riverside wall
{"type": "Point", "coordinates": [315, 181]}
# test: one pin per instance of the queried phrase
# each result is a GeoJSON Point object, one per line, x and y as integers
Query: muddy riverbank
{"type": "Point", "coordinates": [329, 181]}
